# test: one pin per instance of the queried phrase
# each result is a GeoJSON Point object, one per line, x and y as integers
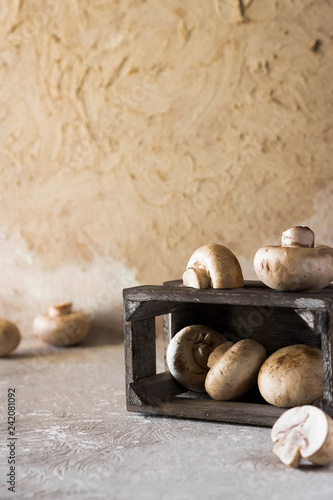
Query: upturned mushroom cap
{"type": "Point", "coordinates": [213, 266]}
{"type": "Point", "coordinates": [188, 353]}
{"type": "Point", "coordinates": [303, 432]}
{"type": "Point", "coordinates": [61, 326]}
{"type": "Point", "coordinates": [292, 376]}
{"type": "Point", "coordinates": [10, 337]}
{"type": "Point", "coordinates": [297, 264]}
{"type": "Point", "coordinates": [235, 372]}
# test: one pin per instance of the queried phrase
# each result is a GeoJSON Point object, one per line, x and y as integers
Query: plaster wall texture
{"type": "Point", "coordinates": [133, 132]}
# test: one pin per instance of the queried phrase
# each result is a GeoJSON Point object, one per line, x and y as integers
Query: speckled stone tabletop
{"type": "Point", "coordinates": [75, 439]}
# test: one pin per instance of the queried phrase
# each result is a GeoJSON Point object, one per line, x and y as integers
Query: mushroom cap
{"type": "Point", "coordinates": [10, 336]}
{"type": "Point", "coordinates": [303, 431]}
{"type": "Point", "coordinates": [220, 264]}
{"type": "Point", "coordinates": [294, 268]}
{"type": "Point", "coordinates": [235, 373]}
{"type": "Point", "coordinates": [297, 264]}
{"type": "Point", "coordinates": [188, 353]}
{"type": "Point", "coordinates": [292, 376]}
{"type": "Point", "coordinates": [62, 330]}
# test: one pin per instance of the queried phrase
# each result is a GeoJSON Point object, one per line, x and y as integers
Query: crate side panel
{"type": "Point", "coordinates": [273, 327]}
{"type": "Point", "coordinates": [229, 412]}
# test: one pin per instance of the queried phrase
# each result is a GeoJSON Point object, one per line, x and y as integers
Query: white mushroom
{"type": "Point", "coordinates": [213, 266]}
{"type": "Point", "coordinates": [10, 337]}
{"type": "Point", "coordinates": [235, 372]}
{"type": "Point", "coordinates": [297, 264]}
{"type": "Point", "coordinates": [61, 326]}
{"type": "Point", "coordinates": [188, 353]}
{"type": "Point", "coordinates": [303, 432]}
{"type": "Point", "coordinates": [292, 376]}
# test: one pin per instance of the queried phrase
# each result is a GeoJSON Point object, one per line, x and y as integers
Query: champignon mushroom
{"type": "Point", "coordinates": [297, 264]}
{"type": "Point", "coordinates": [304, 431]}
{"type": "Point", "coordinates": [292, 376]}
{"type": "Point", "coordinates": [61, 326]}
{"type": "Point", "coordinates": [188, 352]}
{"type": "Point", "coordinates": [213, 266]}
{"type": "Point", "coordinates": [10, 337]}
{"type": "Point", "coordinates": [235, 372]}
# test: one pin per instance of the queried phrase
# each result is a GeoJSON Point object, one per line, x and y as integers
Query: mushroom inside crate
{"type": "Point", "coordinates": [292, 376]}
{"type": "Point", "coordinates": [235, 371]}
{"type": "Point", "coordinates": [188, 353]}
{"type": "Point", "coordinates": [201, 359]}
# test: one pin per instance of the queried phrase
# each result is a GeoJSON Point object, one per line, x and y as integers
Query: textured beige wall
{"type": "Point", "coordinates": [134, 131]}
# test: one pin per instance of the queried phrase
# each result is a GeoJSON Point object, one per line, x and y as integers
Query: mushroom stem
{"type": "Point", "coordinates": [196, 278]}
{"type": "Point", "coordinates": [298, 236]}
{"type": "Point", "coordinates": [217, 353]}
{"type": "Point", "coordinates": [201, 354]}
{"type": "Point", "coordinates": [60, 310]}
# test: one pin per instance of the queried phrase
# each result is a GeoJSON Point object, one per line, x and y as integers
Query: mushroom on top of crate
{"type": "Point", "coordinates": [297, 265]}
{"type": "Point", "coordinates": [213, 266]}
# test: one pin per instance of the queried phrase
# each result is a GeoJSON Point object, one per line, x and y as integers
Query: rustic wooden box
{"type": "Point", "coordinates": [275, 319]}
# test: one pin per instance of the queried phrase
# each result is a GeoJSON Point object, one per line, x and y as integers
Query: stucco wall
{"type": "Point", "coordinates": [133, 132]}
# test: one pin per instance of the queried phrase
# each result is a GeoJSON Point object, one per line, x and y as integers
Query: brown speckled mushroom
{"type": "Point", "coordinates": [235, 372]}
{"type": "Point", "coordinates": [213, 266]}
{"type": "Point", "coordinates": [10, 337]}
{"type": "Point", "coordinates": [188, 353]}
{"type": "Point", "coordinates": [304, 431]}
{"type": "Point", "coordinates": [297, 264]}
{"type": "Point", "coordinates": [292, 376]}
{"type": "Point", "coordinates": [61, 326]}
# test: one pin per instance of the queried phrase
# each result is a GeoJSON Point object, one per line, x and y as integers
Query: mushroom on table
{"type": "Point", "coordinates": [303, 431]}
{"type": "Point", "coordinates": [10, 336]}
{"type": "Point", "coordinates": [61, 326]}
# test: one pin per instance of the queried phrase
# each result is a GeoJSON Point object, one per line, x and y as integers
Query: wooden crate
{"type": "Point", "coordinates": [275, 319]}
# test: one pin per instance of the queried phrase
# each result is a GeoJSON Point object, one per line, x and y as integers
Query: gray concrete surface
{"type": "Point", "coordinates": [75, 439]}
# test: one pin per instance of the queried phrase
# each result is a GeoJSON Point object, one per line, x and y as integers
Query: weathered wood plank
{"type": "Point", "coordinates": [135, 310]}
{"type": "Point", "coordinates": [249, 295]}
{"type": "Point", "coordinates": [156, 389]}
{"type": "Point", "coordinates": [233, 412]}
{"type": "Point", "coordinates": [140, 351]}
{"type": "Point", "coordinates": [273, 327]}
{"type": "Point", "coordinates": [325, 326]}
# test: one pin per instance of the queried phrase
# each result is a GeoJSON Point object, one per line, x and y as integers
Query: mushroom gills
{"type": "Point", "coordinates": [303, 432]}
{"type": "Point", "coordinates": [188, 353]}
